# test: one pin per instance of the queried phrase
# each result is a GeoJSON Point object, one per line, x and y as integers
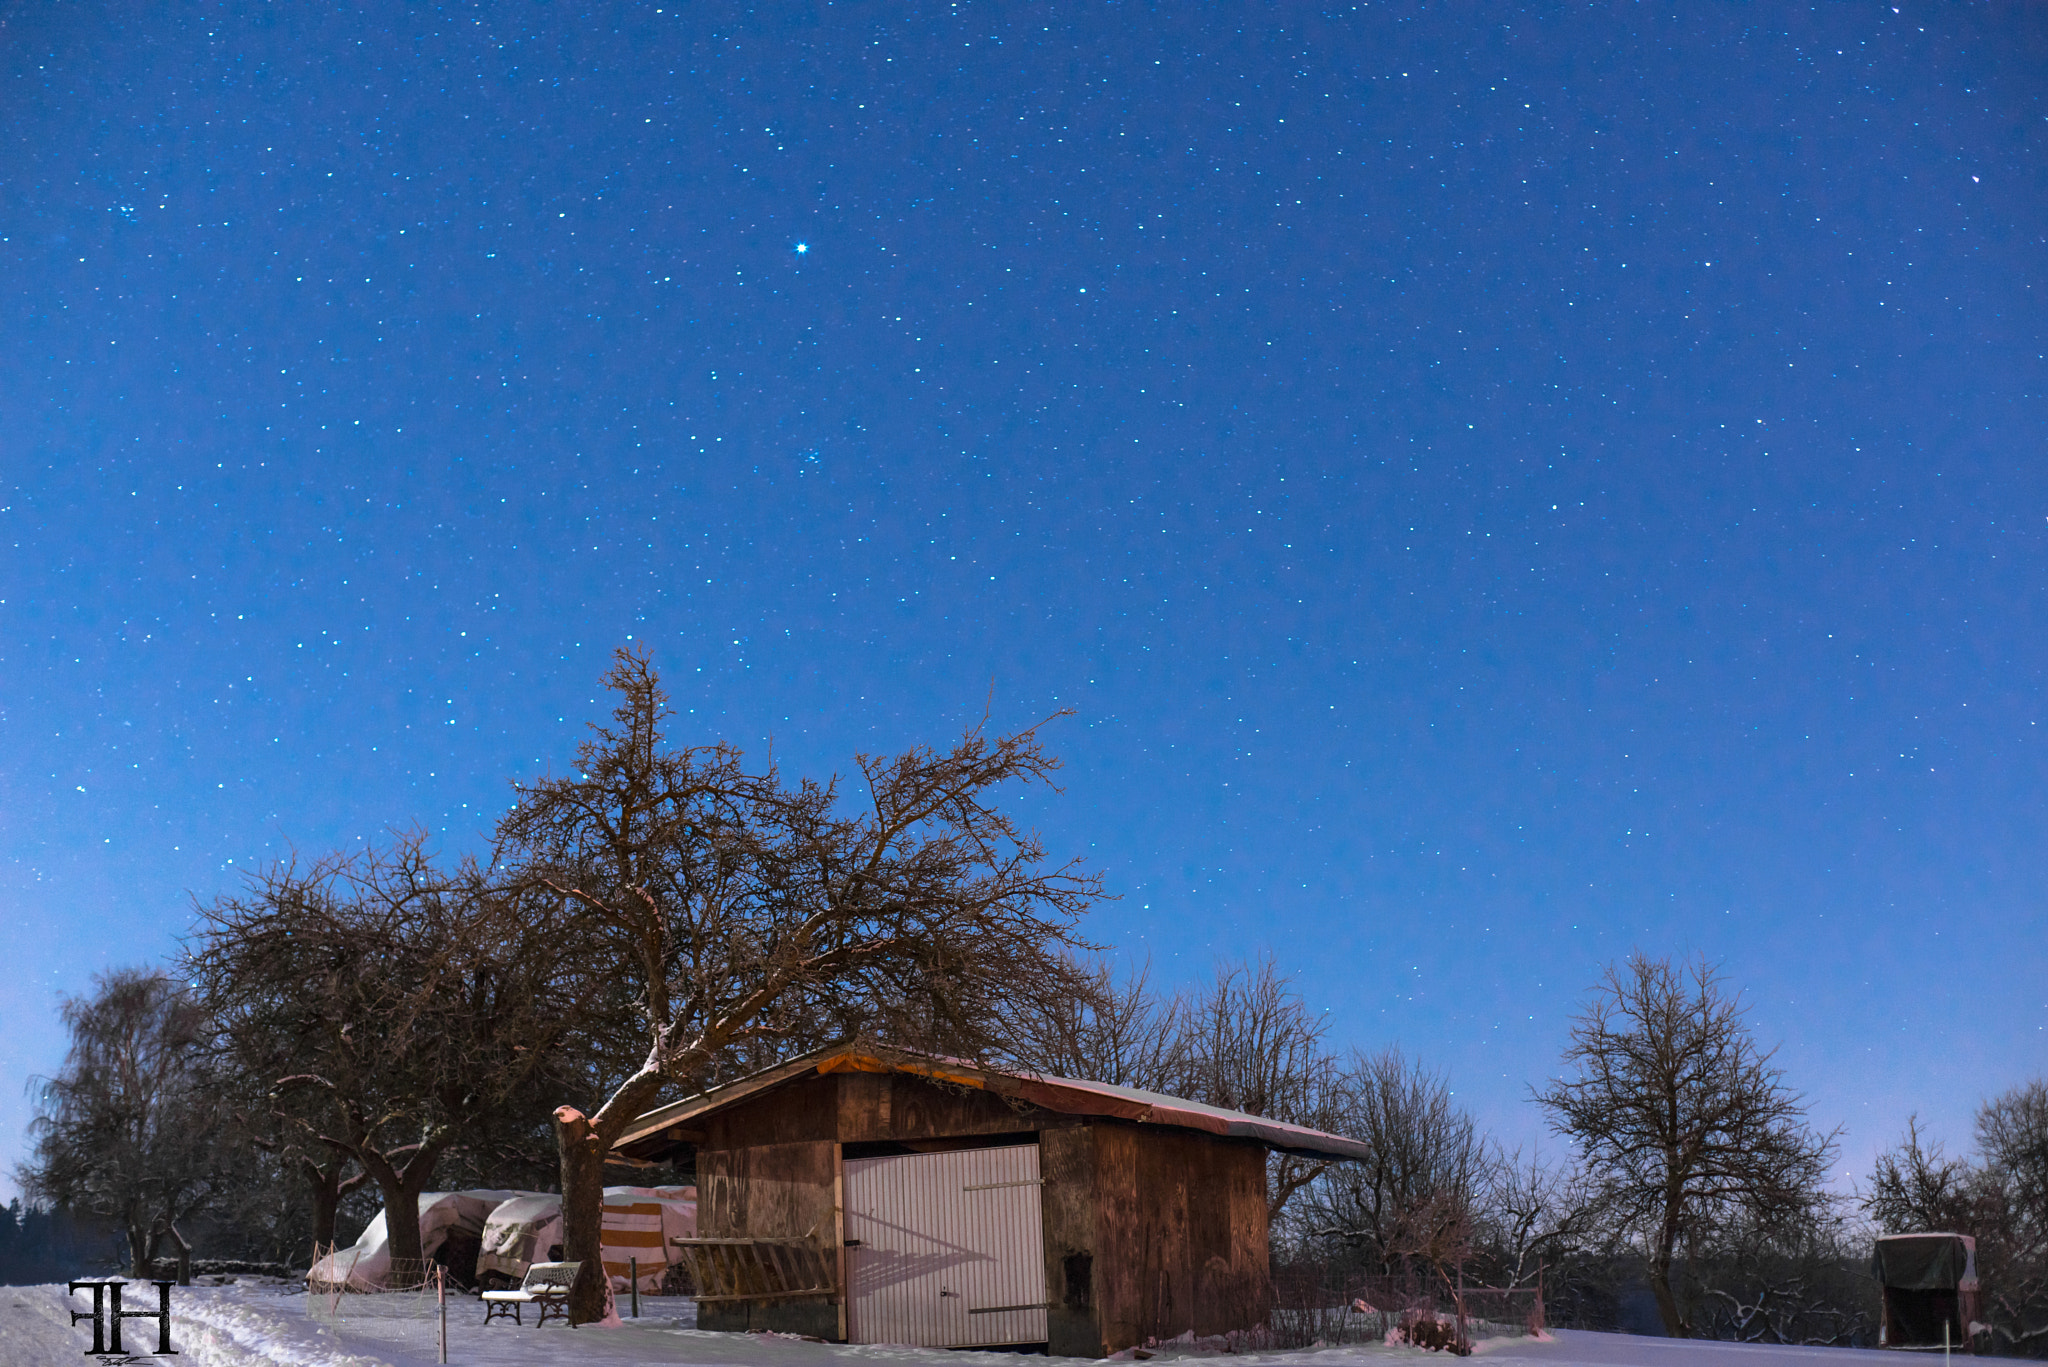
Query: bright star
{"type": "Point", "coordinates": [802, 247]}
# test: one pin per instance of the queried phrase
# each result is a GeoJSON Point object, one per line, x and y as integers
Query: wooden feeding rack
{"type": "Point", "coordinates": [758, 1269]}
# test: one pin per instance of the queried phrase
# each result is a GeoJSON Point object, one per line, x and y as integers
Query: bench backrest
{"type": "Point", "coordinates": [550, 1277]}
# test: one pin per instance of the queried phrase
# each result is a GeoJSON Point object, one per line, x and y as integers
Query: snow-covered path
{"type": "Point", "coordinates": [254, 1324]}
{"type": "Point", "coordinates": [35, 1327]}
{"type": "Point", "coordinates": [1572, 1348]}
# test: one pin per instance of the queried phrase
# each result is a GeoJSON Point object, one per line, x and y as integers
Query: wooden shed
{"type": "Point", "coordinates": [872, 1195]}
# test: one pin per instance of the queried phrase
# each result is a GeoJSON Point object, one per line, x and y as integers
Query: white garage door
{"type": "Point", "coordinates": [951, 1250]}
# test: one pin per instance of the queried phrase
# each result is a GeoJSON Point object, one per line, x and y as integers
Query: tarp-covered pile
{"type": "Point", "coordinates": [1923, 1262]}
{"type": "Point", "coordinates": [519, 1233]}
{"type": "Point", "coordinates": [366, 1266]}
{"type": "Point", "coordinates": [638, 1224]}
{"type": "Point", "coordinates": [1928, 1289]}
{"type": "Point", "coordinates": [520, 1228]}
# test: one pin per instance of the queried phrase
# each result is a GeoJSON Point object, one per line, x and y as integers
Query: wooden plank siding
{"type": "Point", "coordinates": [769, 1191]}
{"type": "Point", "coordinates": [1066, 1163]}
{"type": "Point", "coordinates": [806, 1110]}
{"type": "Point", "coordinates": [899, 1108]}
{"type": "Point", "coordinates": [1150, 1231]}
{"type": "Point", "coordinates": [1180, 1235]}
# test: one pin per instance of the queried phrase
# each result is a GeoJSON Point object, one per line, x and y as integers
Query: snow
{"type": "Point", "coordinates": [364, 1264]}
{"type": "Point", "coordinates": [517, 1234]}
{"type": "Point", "coordinates": [260, 1322]}
{"type": "Point", "coordinates": [515, 1229]}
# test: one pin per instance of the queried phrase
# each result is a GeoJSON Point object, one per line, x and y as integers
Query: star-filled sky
{"type": "Point", "coordinates": [1498, 487]}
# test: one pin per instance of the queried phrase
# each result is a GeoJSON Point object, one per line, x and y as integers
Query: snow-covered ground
{"type": "Point", "coordinates": [252, 1322]}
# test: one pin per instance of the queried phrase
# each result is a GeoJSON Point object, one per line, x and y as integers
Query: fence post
{"type": "Point", "coordinates": [184, 1257]}
{"type": "Point", "coordinates": [633, 1270]}
{"type": "Point", "coordinates": [1464, 1334]}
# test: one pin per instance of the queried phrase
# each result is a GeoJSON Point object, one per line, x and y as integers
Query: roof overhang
{"type": "Point", "coordinates": [675, 1122]}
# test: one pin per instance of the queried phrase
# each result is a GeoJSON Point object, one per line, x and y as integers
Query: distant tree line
{"type": "Point", "coordinates": [347, 1031]}
{"type": "Point", "coordinates": [38, 1244]}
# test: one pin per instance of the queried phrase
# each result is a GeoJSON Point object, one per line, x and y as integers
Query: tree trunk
{"type": "Point", "coordinates": [584, 1141]}
{"type": "Point", "coordinates": [326, 1185]}
{"type": "Point", "coordinates": [582, 1212]}
{"type": "Point", "coordinates": [1667, 1304]}
{"type": "Point", "coordinates": [402, 1225]}
{"type": "Point", "coordinates": [1661, 1254]}
{"type": "Point", "coordinates": [401, 1188]}
{"type": "Point", "coordinates": [1662, 1251]}
{"type": "Point", "coordinates": [326, 1205]}
{"type": "Point", "coordinates": [138, 1250]}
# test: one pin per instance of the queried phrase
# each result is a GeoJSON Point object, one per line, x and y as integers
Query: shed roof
{"type": "Point", "coordinates": [1065, 1096]}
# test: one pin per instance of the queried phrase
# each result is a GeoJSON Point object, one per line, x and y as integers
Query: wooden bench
{"type": "Point", "coordinates": [546, 1285]}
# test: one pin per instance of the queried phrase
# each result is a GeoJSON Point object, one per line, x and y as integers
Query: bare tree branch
{"type": "Point", "coordinates": [746, 914]}
{"type": "Point", "coordinates": [1680, 1116]}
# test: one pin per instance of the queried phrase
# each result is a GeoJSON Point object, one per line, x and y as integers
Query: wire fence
{"type": "Point", "coordinates": [404, 1312]}
{"type": "Point", "coordinates": [1501, 1311]}
{"type": "Point", "coordinates": [1313, 1306]}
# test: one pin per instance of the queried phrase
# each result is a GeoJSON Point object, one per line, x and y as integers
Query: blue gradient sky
{"type": "Point", "coordinates": [1499, 488]}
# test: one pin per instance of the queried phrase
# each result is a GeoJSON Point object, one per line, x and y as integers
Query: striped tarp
{"type": "Point", "coordinates": [632, 1230]}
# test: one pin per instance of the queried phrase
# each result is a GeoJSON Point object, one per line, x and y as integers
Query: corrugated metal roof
{"type": "Point", "coordinates": [1066, 1096]}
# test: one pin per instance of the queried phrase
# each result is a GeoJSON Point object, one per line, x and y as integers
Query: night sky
{"type": "Point", "coordinates": [1497, 487]}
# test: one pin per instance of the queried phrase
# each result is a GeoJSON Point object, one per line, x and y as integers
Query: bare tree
{"type": "Point", "coordinates": [2012, 1135]}
{"type": "Point", "coordinates": [386, 1009]}
{"type": "Point", "coordinates": [1248, 1042]}
{"type": "Point", "coordinates": [260, 1118]}
{"type": "Point", "coordinates": [1918, 1187]}
{"type": "Point", "coordinates": [123, 1131]}
{"type": "Point", "coordinates": [1533, 1214]}
{"type": "Point", "coordinates": [1680, 1116]}
{"type": "Point", "coordinates": [1998, 1196]}
{"type": "Point", "coordinates": [1803, 1283]}
{"type": "Point", "coordinates": [1413, 1205]}
{"type": "Point", "coordinates": [745, 912]}
{"type": "Point", "coordinates": [1118, 1030]}
{"type": "Point", "coordinates": [2012, 1248]}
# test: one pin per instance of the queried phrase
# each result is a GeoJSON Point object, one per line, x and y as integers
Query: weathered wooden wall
{"type": "Point", "coordinates": [1180, 1235]}
{"type": "Point", "coordinates": [1066, 1170]}
{"type": "Point", "coordinates": [896, 1107]}
{"type": "Point", "coordinates": [773, 1191]}
{"type": "Point", "coordinates": [780, 1189]}
{"type": "Point", "coordinates": [806, 1109]}
{"type": "Point", "coordinates": [1149, 1231]}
